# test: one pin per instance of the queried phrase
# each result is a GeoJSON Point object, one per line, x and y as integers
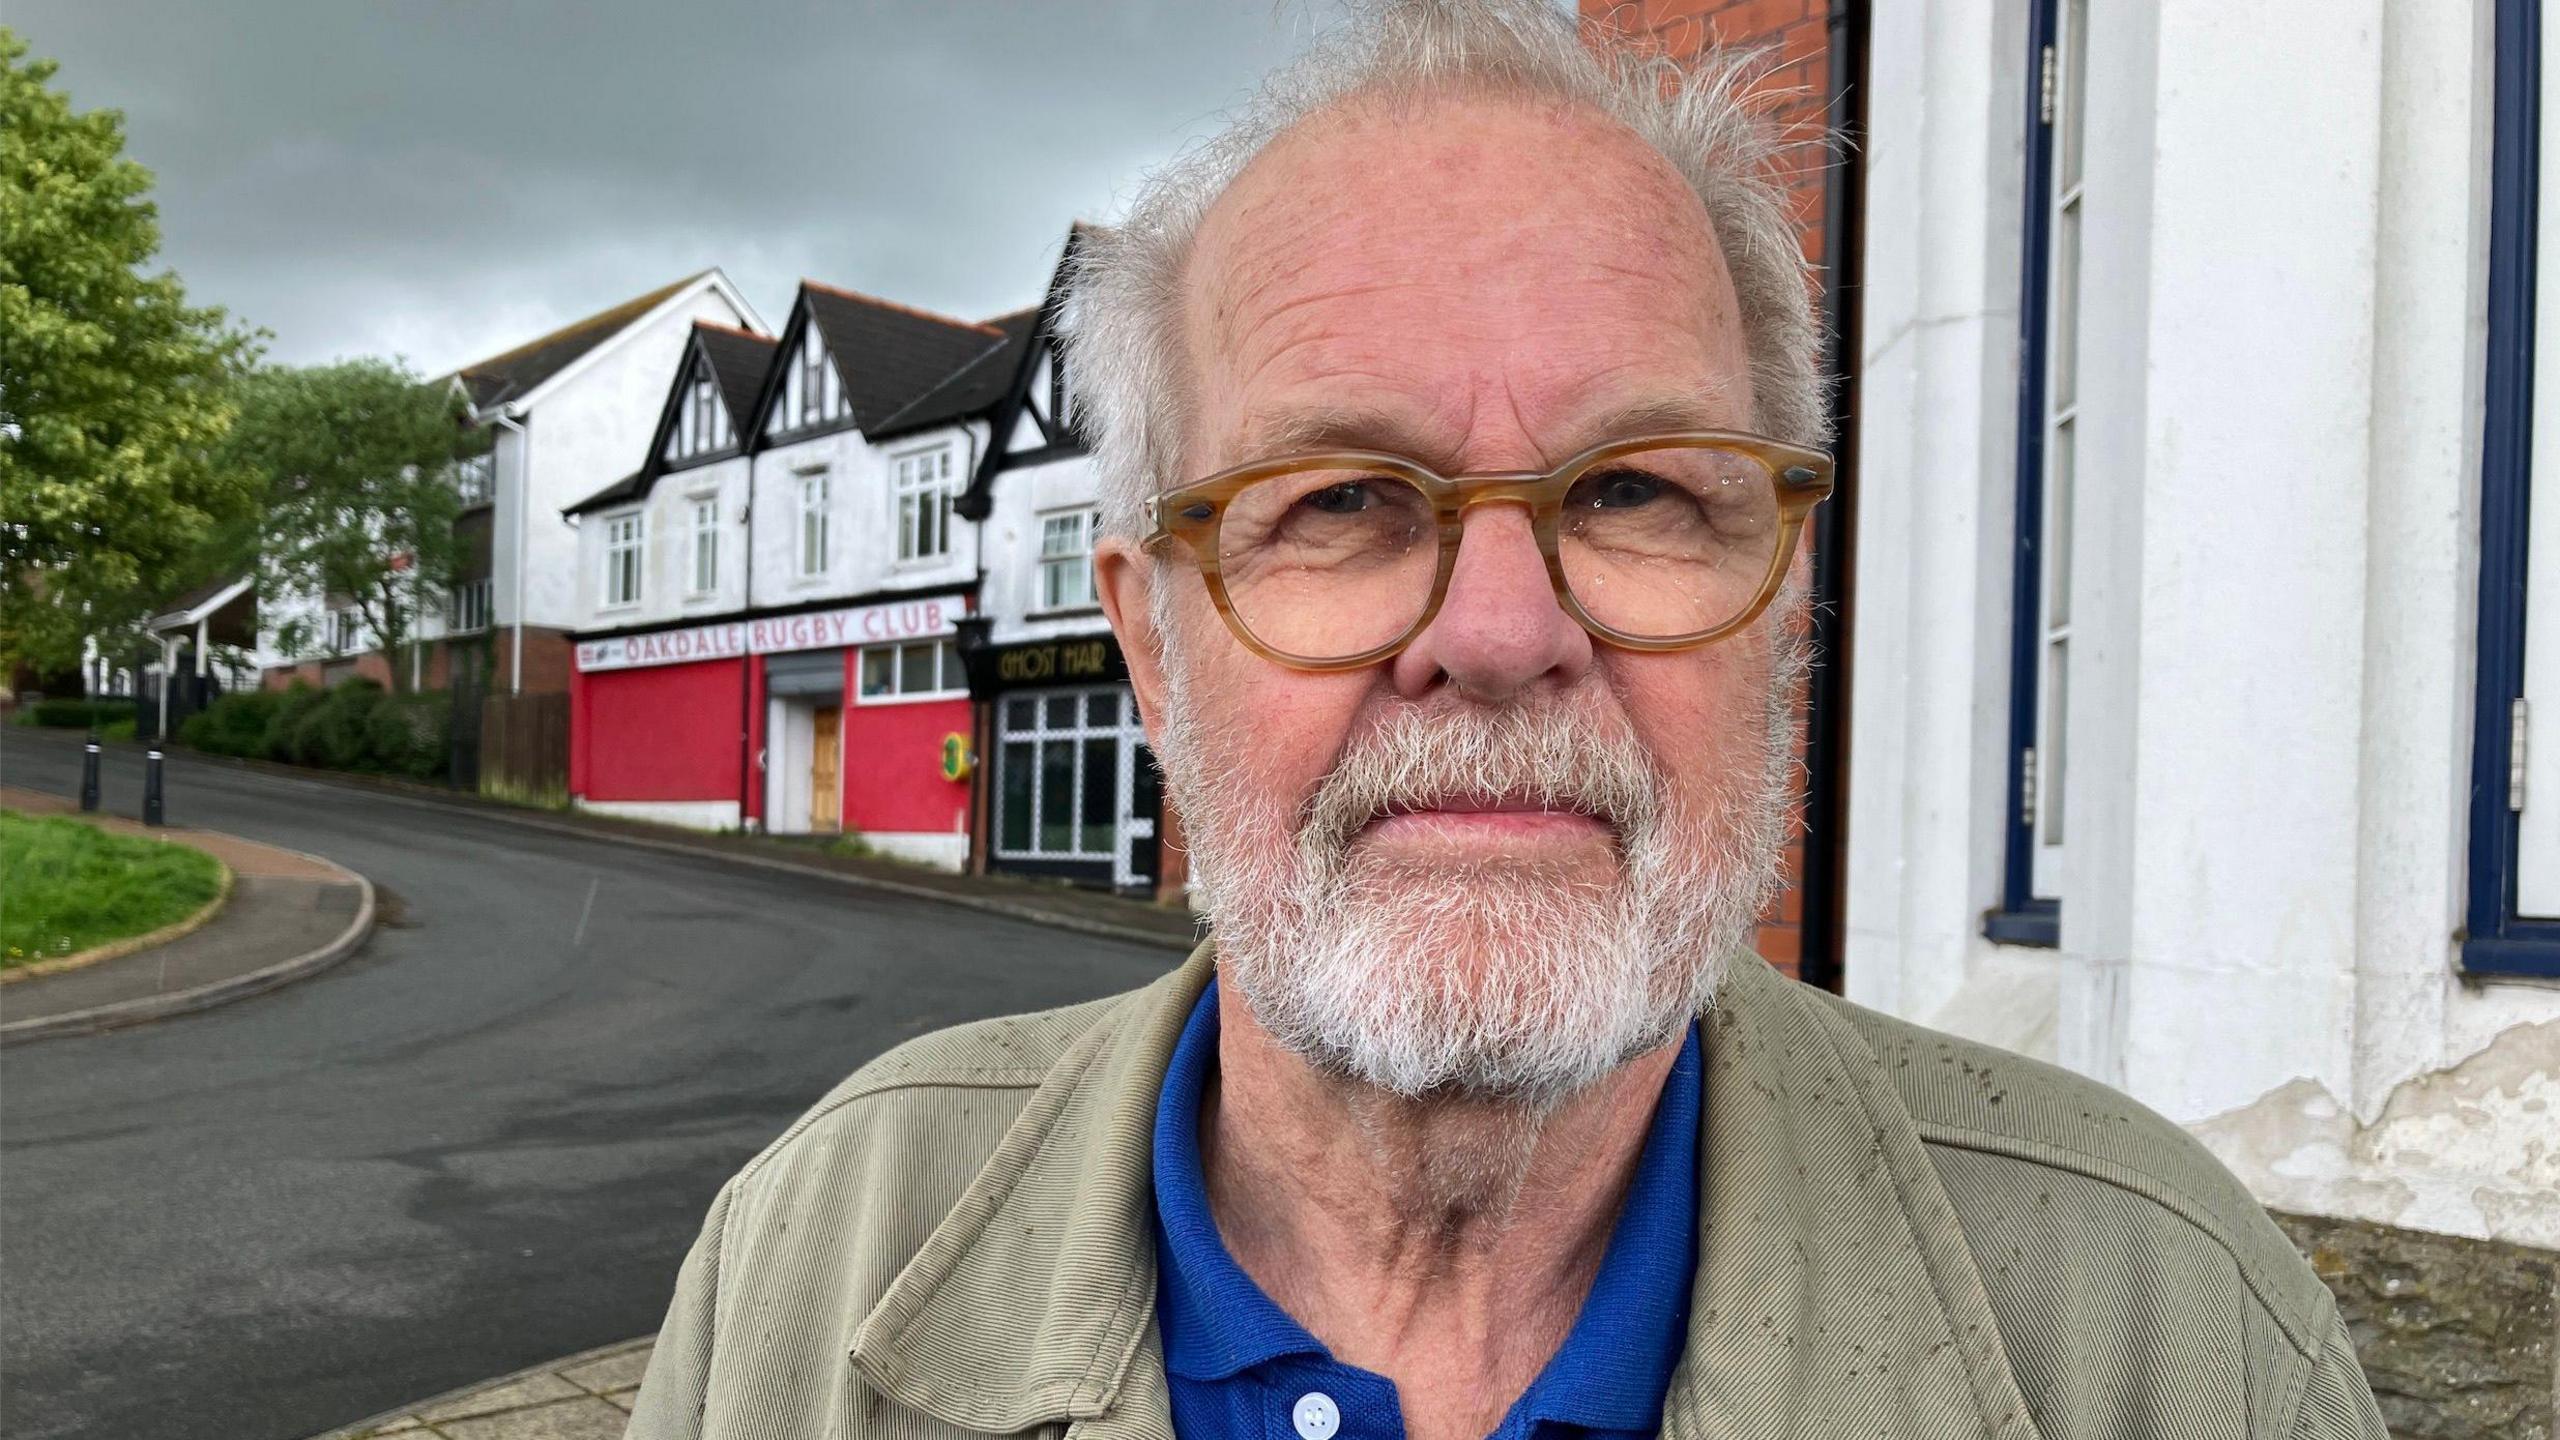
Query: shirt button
{"type": "Point", "coordinates": [1316, 1416]}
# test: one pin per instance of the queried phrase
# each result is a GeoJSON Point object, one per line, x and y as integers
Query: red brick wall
{"type": "Point", "coordinates": [1792, 37]}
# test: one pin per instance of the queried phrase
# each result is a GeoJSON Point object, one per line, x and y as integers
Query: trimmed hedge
{"type": "Point", "coordinates": [350, 726]}
{"type": "Point", "coordinates": [66, 713]}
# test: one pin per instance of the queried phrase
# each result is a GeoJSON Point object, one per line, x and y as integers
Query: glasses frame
{"type": "Point", "coordinates": [1190, 515]}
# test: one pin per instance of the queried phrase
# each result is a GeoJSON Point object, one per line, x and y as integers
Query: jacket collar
{"type": "Point", "coordinates": [1834, 1291]}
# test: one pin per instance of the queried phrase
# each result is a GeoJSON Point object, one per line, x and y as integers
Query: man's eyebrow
{"type": "Point", "coordinates": [1274, 433]}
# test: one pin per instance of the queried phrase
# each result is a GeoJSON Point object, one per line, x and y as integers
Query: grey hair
{"type": "Point", "coordinates": [1122, 323]}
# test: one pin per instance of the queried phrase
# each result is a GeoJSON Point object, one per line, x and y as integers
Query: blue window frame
{"type": "Point", "coordinates": [2030, 908]}
{"type": "Point", "coordinates": [2505, 933]}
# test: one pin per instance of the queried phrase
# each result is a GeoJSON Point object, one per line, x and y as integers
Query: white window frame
{"type": "Point", "coordinates": [950, 680]}
{"type": "Point", "coordinates": [467, 608]}
{"type": "Point", "coordinates": [475, 479]}
{"type": "Point", "coordinates": [626, 558]}
{"type": "Point", "coordinates": [814, 554]}
{"type": "Point", "coordinates": [1124, 733]}
{"type": "Point", "coordinates": [702, 563]}
{"type": "Point", "coordinates": [923, 487]}
{"type": "Point", "coordinates": [1066, 578]}
{"type": "Point", "coordinates": [346, 631]}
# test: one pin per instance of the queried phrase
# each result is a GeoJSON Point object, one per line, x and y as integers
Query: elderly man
{"type": "Point", "coordinates": [1455, 411]}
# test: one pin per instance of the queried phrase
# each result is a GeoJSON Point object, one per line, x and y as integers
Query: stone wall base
{"type": "Point", "coordinates": [2460, 1338]}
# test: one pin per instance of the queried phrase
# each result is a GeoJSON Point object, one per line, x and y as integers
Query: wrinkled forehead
{"type": "Point", "coordinates": [1474, 272]}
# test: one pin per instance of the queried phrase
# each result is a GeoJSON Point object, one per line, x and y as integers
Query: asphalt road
{"type": "Point", "coordinates": [484, 1142]}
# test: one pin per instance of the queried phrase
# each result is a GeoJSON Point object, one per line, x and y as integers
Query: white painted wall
{"type": "Point", "coordinates": [666, 595]}
{"type": "Point", "coordinates": [589, 431]}
{"type": "Point", "coordinates": [691, 814]}
{"type": "Point", "coordinates": [1011, 596]}
{"type": "Point", "coordinates": [865, 533]}
{"type": "Point", "coordinates": [2277, 537]}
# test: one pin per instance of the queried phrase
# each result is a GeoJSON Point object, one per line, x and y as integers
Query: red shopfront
{"type": "Point", "coordinates": [817, 722]}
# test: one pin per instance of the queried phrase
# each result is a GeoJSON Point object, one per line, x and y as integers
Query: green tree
{"type": "Point", "coordinates": [356, 464]}
{"type": "Point", "coordinates": [113, 390]}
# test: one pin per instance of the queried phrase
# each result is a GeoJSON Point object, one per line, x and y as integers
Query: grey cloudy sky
{"type": "Point", "coordinates": [441, 179]}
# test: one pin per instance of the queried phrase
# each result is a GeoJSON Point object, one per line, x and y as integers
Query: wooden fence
{"type": "Point", "coordinates": [524, 747]}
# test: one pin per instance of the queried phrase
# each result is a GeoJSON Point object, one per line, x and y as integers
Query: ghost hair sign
{"type": "Point", "coordinates": [1036, 664]}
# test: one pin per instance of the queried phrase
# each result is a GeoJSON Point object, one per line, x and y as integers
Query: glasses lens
{"type": "Point", "coordinates": [1672, 542]}
{"type": "Point", "coordinates": [1329, 563]}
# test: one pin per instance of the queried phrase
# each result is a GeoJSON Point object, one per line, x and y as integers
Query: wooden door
{"type": "Point", "coordinates": [826, 789]}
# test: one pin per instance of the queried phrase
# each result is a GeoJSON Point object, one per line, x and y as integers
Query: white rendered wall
{"type": "Point", "coordinates": [2277, 539]}
{"type": "Point", "coordinates": [691, 814]}
{"type": "Point", "coordinates": [589, 432]}
{"type": "Point", "coordinates": [667, 561]}
{"type": "Point", "coordinates": [1011, 596]}
{"type": "Point", "coordinates": [864, 535]}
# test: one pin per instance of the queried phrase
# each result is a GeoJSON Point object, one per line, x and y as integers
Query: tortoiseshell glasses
{"type": "Point", "coordinates": [1337, 560]}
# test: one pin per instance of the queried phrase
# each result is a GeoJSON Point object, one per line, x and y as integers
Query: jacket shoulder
{"type": "Point", "coordinates": [1011, 1053]}
{"type": "Point", "coordinates": [2011, 1134]}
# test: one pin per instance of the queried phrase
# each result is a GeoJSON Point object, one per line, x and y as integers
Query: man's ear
{"type": "Point", "coordinates": [1125, 576]}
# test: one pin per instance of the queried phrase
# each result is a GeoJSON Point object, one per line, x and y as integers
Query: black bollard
{"type": "Point", "coordinates": [89, 774]}
{"type": "Point", "coordinates": [152, 811]}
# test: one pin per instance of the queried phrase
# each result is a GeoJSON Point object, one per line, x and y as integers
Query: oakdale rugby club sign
{"type": "Point", "coordinates": [817, 630]}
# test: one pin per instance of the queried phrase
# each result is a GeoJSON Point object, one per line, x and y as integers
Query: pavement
{"type": "Point", "coordinates": [288, 916]}
{"type": "Point", "coordinates": [485, 1139]}
{"type": "Point", "coordinates": [586, 1396]}
{"type": "Point", "coordinates": [1049, 902]}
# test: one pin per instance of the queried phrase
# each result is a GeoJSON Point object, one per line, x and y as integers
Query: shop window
{"type": "Point", "coordinates": [817, 524]}
{"type": "Point", "coordinates": [915, 670]}
{"type": "Point", "coordinates": [1066, 558]}
{"type": "Point", "coordinates": [623, 539]}
{"type": "Point", "coordinates": [706, 545]}
{"type": "Point", "coordinates": [2513, 920]}
{"type": "Point", "coordinates": [1058, 776]}
{"type": "Point", "coordinates": [922, 486]}
{"type": "Point", "coordinates": [2030, 909]}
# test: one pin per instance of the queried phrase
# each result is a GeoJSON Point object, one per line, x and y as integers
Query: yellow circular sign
{"type": "Point", "coordinates": [957, 762]}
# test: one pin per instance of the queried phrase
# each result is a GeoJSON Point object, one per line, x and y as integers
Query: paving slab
{"type": "Point", "coordinates": [586, 1396]}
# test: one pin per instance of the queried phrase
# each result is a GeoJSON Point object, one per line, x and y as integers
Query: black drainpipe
{"type": "Point", "coordinates": [1824, 893]}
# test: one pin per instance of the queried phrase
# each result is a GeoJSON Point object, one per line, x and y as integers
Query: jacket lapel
{"type": "Point", "coordinates": [1032, 1300]}
{"type": "Point", "coordinates": [1835, 1294]}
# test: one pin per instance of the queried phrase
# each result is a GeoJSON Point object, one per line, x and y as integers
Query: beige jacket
{"type": "Point", "coordinates": [1901, 1235]}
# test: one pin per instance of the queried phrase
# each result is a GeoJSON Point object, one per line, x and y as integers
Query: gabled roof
{"type": "Point", "coordinates": [886, 354]}
{"type": "Point", "coordinates": [975, 387]}
{"type": "Point", "coordinates": [977, 499]}
{"type": "Point", "coordinates": [511, 374]}
{"type": "Point", "coordinates": [739, 360]}
{"type": "Point", "coordinates": [633, 486]}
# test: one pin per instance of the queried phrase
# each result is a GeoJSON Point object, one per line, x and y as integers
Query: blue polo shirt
{"type": "Point", "coordinates": [1240, 1369]}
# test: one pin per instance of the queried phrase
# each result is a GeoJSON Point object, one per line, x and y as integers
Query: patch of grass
{"type": "Point", "coordinates": [65, 886]}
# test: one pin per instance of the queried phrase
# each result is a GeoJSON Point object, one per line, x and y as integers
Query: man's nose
{"type": "Point", "coordinates": [1500, 629]}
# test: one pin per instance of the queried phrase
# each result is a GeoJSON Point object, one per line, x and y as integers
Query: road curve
{"type": "Point", "coordinates": [484, 1142]}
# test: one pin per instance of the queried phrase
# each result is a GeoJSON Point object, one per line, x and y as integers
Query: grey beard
{"type": "Point", "coordinates": [1500, 981]}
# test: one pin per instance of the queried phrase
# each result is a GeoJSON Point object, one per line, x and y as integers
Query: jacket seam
{"type": "Point", "coordinates": [1871, 1091]}
{"type": "Point", "coordinates": [2149, 1187]}
{"type": "Point", "coordinates": [1022, 1078]}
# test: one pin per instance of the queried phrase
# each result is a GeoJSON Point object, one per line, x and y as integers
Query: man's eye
{"type": "Point", "coordinates": [1623, 490]}
{"type": "Point", "coordinates": [1348, 497]}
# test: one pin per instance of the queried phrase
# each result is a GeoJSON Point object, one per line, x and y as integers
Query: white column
{"type": "Point", "coordinates": [2237, 552]}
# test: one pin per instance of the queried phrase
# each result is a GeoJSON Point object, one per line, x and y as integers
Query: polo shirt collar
{"type": "Point", "coordinates": [1610, 1372]}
